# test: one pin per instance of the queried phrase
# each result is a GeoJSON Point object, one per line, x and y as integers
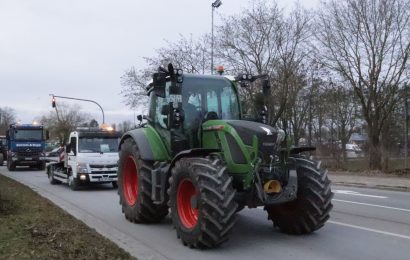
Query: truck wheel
{"type": "Point", "coordinates": [310, 210]}
{"type": "Point", "coordinates": [50, 173]}
{"type": "Point", "coordinates": [134, 189]}
{"type": "Point", "coordinates": [42, 166]}
{"type": "Point", "coordinates": [1, 159]}
{"type": "Point", "coordinates": [73, 183]}
{"type": "Point", "coordinates": [11, 166]}
{"type": "Point", "coordinates": [201, 199]}
{"type": "Point", "coordinates": [114, 184]}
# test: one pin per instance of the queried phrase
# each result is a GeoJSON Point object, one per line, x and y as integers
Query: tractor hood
{"type": "Point", "coordinates": [268, 141]}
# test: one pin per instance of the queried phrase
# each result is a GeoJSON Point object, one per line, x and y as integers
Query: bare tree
{"type": "Point", "coordinates": [190, 55]}
{"type": "Point", "coordinates": [68, 119]}
{"type": "Point", "coordinates": [368, 43]}
{"type": "Point", "coordinates": [263, 41]}
{"type": "Point", "coordinates": [7, 116]}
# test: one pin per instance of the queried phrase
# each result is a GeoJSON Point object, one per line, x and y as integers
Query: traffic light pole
{"type": "Point", "coordinates": [86, 100]}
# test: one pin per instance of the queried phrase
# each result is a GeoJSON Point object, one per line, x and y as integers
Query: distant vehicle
{"type": "Point", "coordinates": [91, 156]}
{"type": "Point", "coordinates": [353, 151]}
{"type": "Point", "coordinates": [25, 146]}
{"type": "Point", "coordinates": [3, 149]}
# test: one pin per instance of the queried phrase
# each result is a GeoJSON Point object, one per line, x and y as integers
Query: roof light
{"type": "Point", "coordinates": [220, 69]}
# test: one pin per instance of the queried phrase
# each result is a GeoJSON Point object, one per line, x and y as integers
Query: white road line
{"type": "Point", "coordinates": [372, 205]}
{"type": "Point", "coordinates": [369, 229]}
{"type": "Point", "coordinates": [355, 193]}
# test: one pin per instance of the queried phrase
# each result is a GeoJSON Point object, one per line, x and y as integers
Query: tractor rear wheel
{"type": "Point", "coordinates": [310, 210]}
{"type": "Point", "coordinates": [134, 187]}
{"type": "Point", "coordinates": [201, 199]}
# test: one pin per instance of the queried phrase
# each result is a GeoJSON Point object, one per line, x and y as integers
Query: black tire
{"type": "Point", "coordinates": [42, 166]}
{"type": "Point", "coordinates": [1, 160]}
{"type": "Point", "coordinates": [73, 183]}
{"type": "Point", "coordinates": [311, 209]}
{"type": "Point", "coordinates": [50, 174]}
{"type": "Point", "coordinates": [214, 206]}
{"type": "Point", "coordinates": [114, 184]}
{"type": "Point", "coordinates": [11, 166]}
{"type": "Point", "coordinates": [137, 207]}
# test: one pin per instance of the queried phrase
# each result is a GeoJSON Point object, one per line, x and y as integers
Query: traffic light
{"type": "Point", "coordinates": [53, 102]}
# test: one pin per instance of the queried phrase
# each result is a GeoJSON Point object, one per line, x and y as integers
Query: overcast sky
{"type": "Point", "coordinates": [81, 48]}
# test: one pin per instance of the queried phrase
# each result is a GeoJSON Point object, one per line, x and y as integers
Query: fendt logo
{"type": "Point", "coordinates": [267, 130]}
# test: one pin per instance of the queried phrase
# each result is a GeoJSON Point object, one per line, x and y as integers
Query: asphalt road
{"type": "Point", "coordinates": [364, 224]}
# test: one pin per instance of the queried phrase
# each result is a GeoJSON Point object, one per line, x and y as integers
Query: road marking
{"type": "Point", "coordinates": [355, 193]}
{"type": "Point", "coordinates": [372, 205]}
{"type": "Point", "coordinates": [369, 229]}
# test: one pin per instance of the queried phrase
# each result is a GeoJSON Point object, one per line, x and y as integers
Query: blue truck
{"type": "Point", "coordinates": [25, 146]}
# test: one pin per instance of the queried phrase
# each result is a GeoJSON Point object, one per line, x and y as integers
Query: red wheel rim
{"type": "Point", "coordinates": [130, 181]}
{"type": "Point", "coordinates": [187, 214]}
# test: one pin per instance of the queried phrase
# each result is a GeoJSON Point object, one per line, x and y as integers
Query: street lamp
{"type": "Point", "coordinates": [215, 4]}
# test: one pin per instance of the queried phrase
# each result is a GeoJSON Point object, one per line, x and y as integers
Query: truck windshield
{"type": "Point", "coordinates": [28, 134]}
{"type": "Point", "coordinates": [98, 145]}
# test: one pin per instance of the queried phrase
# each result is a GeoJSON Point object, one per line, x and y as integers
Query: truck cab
{"type": "Point", "coordinates": [90, 156]}
{"type": "Point", "coordinates": [25, 146]}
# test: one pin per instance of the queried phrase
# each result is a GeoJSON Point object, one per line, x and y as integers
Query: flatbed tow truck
{"type": "Point", "coordinates": [90, 156]}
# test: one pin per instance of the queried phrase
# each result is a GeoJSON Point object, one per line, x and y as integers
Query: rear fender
{"type": "Point", "coordinates": [149, 143]}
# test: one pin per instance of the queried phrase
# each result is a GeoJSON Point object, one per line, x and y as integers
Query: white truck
{"type": "Point", "coordinates": [90, 156]}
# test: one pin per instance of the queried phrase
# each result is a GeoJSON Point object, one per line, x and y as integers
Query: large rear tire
{"type": "Point", "coordinates": [310, 210]}
{"type": "Point", "coordinates": [134, 187]}
{"type": "Point", "coordinates": [201, 199]}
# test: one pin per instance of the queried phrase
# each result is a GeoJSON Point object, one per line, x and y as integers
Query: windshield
{"type": "Point", "coordinates": [98, 145]}
{"type": "Point", "coordinates": [209, 95]}
{"type": "Point", "coordinates": [28, 134]}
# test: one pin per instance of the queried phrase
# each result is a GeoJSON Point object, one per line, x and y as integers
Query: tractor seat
{"type": "Point", "coordinates": [211, 115]}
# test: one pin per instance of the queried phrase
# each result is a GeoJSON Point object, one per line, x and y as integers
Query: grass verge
{"type": "Point", "coordinates": [31, 227]}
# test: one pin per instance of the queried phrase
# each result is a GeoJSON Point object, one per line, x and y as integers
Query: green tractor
{"type": "Point", "coordinates": [199, 158]}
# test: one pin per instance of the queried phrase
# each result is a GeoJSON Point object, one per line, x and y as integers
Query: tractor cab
{"type": "Point", "coordinates": [202, 98]}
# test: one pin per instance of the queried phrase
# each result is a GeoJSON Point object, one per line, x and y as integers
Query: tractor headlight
{"type": "Point", "coordinates": [82, 168]}
{"type": "Point", "coordinates": [281, 136]}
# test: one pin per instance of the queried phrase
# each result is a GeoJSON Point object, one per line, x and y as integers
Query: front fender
{"type": "Point", "coordinates": [149, 143]}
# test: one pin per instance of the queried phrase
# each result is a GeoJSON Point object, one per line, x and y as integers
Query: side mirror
{"type": "Point", "coordinates": [7, 135]}
{"type": "Point", "coordinates": [266, 87]}
{"type": "Point", "coordinates": [159, 82]}
{"type": "Point", "coordinates": [47, 134]}
{"type": "Point", "coordinates": [139, 118]}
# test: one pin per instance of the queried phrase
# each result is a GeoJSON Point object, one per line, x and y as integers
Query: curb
{"type": "Point", "coordinates": [379, 187]}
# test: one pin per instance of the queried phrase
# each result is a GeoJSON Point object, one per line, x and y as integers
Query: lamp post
{"type": "Point", "coordinates": [215, 4]}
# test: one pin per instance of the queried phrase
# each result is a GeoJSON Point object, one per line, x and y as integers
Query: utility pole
{"type": "Point", "coordinates": [215, 4]}
{"type": "Point", "coordinates": [406, 128]}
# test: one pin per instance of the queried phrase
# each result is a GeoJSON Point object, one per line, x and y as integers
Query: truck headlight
{"type": "Point", "coordinates": [82, 168]}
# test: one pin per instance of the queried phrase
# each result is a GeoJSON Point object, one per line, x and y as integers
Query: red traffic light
{"type": "Point", "coordinates": [53, 102]}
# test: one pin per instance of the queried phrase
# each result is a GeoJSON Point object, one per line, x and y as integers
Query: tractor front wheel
{"type": "Point", "coordinates": [134, 187]}
{"type": "Point", "coordinates": [201, 199]}
{"type": "Point", "coordinates": [310, 210]}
